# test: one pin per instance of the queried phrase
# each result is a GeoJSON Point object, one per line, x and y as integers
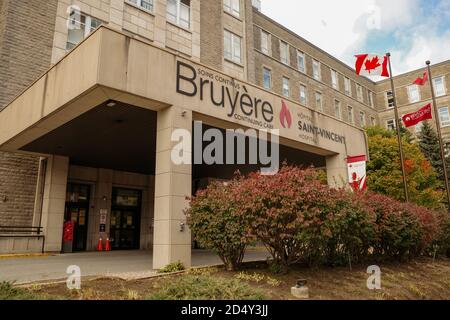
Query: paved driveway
{"type": "Point", "coordinates": [126, 264]}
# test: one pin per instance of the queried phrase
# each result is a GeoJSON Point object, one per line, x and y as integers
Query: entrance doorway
{"type": "Point", "coordinates": [125, 219]}
{"type": "Point", "coordinates": [77, 210]}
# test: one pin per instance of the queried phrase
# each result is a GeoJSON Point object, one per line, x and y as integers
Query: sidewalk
{"type": "Point", "coordinates": [126, 264]}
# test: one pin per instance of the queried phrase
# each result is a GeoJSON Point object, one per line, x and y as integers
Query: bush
{"type": "Point", "coordinates": [442, 239]}
{"type": "Point", "coordinates": [206, 288]}
{"type": "Point", "coordinates": [299, 219]}
{"type": "Point", "coordinates": [172, 267]}
{"type": "Point", "coordinates": [398, 229]}
{"type": "Point", "coordinates": [213, 220]}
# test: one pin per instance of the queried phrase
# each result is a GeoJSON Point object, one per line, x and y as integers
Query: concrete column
{"type": "Point", "coordinates": [102, 201]}
{"type": "Point", "coordinates": [54, 201]}
{"type": "Point", "coordinates": [172, 238]}
{"type": "Point", "coordinates": [337, 171]}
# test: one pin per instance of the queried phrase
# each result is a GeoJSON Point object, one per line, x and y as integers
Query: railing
{"type": "Point", "coordinates": [22, 232]}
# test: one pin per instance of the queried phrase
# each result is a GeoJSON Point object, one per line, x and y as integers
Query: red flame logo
{"type": "Point", "coordinates": [285, 116]}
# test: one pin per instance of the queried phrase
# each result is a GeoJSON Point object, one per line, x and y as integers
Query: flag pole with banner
{"type": "Point", "coordinates": [399, 134]}
{"type": "Point", "coordinates": [439, 132]}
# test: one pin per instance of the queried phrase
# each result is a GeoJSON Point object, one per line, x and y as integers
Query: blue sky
{"type": "Point", "coordinates": [412, 30]}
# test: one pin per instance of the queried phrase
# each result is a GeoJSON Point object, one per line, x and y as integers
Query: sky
{"type": "Point", "coordinates": [412, 30]}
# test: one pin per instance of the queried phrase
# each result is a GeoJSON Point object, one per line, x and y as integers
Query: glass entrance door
{"type": "Point", "coordinates": [77, 208]}
{"type": "Point", "coordinates": [125, 219]}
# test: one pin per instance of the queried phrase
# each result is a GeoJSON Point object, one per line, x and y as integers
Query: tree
{"type": "Point", "coordinates": [384, 171]}
{"type": "Point", "coordinates": [429, 145]}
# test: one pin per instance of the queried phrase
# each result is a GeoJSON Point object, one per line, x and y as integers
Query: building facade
{"type": "Point", "coordinates": [92, 91]}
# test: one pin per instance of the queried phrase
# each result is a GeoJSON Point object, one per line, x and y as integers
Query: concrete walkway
{"type": "Point", "coordinates": [125, 264]}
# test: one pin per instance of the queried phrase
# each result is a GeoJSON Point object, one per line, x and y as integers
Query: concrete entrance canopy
{"type": "Point", "coordinates": [111, 66]}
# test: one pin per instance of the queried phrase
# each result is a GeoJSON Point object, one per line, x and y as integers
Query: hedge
{"type": "Point", "coordinates": [301, 220]}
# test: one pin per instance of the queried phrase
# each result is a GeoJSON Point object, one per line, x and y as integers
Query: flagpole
{"type": "Point", "coordinates": [399, 133]}
{"type": "Point", "coordinates": [439, 132]}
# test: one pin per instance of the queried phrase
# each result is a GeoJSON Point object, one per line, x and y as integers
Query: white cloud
{"type": "Point", "coordinates": [343, 28]}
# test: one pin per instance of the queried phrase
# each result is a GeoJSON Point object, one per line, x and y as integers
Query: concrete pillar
{"type": "Point", "coordinates": [102, 201]}
{"type": "Point", "coordinates": [172, 238]}
{"type": "Point", "coordinates": [337, 171]}
{"type": "Point", "coordinates": [54, 201]}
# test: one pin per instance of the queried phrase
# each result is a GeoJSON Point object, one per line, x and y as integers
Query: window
{"type": "Point", "coordinates": [337, 109]}
{"type": "Point", "coordinates": [413, 93]}
{"type": "Point", "coordinates": [265, 42]}
{"type": "Point", "coordinates": [444, 116]}
{"type": "Point", "coordinates": [284, 52]}
{"type": "Point", "coordinates": [144, 4]}
{"type": "Point", "coordinates": [267, 78]}
{"type": "Point", "coordinates": [303, 99]}
{"type": "Point", "coordinates": [301, 62]}
{"type": "Point", "coordinates": [286, 91]}
{"type": "Point", "coordinates": [359, 91]}
{"type": "Point", "coordinates": [370, 97]}
{"type": "Point", "coordinates": [350, 114]}
{"type": "Point", "coordinates": [233, 7]}
{"type": "Point", "coordinates": [179, 12]}
{"type": "Point", "coordinates": [80, 26]}
{"type": "Point", "coordinates": [232, 47]}
{"type": "Point", "coordinates": [390, 124]}
{"type": "Point", "coordinates": [373, 121]}
{"type": "Point", "coordinates": [319, 103]}
{"type": "Point", "coordinates": [362, 119]}
{"type": "Point", "coordinates": [390, 99]}
{"type": "Point", "coordinates": [316, 70]}
{"type": "Point", "coordinates": [347, 86]}
{"type": "Point", "coordinates": [334, 80]}
{"type": "Point", "coordinates": [439, 87]}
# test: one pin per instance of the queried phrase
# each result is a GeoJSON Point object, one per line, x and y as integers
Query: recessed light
{"type": "Point", "coordinates": [111, 104]}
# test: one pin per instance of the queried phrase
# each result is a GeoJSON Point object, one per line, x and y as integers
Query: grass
{"type": "Point", "coordinates": [173, 267]}
{"type": "Point", "coordinates": [9, 292]}
{"type": "Point", "coordinates": [205, 287]}
{"type": "Point", "coordinates": [413, 280]}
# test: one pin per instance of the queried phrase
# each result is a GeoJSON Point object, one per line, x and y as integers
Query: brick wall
{"type": "Point", "coordinates": [26, 40]}
{"type": "Point", "coordinates": [211, 34]}
{"type": "Point", "coordinates": [26, 46]}
{"type": "Point", "coordinates": [18, 175]}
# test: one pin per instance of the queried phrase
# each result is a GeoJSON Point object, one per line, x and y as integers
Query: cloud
{"type": "Point", "coordinates": [412, 30]}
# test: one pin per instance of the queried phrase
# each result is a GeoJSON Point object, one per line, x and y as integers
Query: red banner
{"type": "Point", "coordinates": [357, 173]}
{"type": "Point", "coordinates": [416, 117]}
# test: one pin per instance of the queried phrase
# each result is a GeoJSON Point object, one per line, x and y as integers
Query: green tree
{"type": "Point", "coordinates": [384, 171]}
{"type": "Point", "coordinates": [429, 145]}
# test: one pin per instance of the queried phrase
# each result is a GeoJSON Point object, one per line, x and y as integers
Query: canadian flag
{"type": "Point", "coordinates": [414, 118]}
{"type": "Point", "coordinates": [372, 65]}
{"type": "Point", "coordinates": [421, 81]}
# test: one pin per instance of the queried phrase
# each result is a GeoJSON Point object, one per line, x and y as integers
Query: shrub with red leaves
{"type": "Point", "coordinates": [402, 229]}
{"type": "Point", "coordinates": [216, 225]}
{"type": "Point", "coordinates": [299, 219]}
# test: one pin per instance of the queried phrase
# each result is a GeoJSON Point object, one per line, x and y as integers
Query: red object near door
{"type": "Point", "coordinates": [68, 231]}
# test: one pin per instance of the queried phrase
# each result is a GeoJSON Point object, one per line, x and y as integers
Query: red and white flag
{"type": "Point", "coordinates": [416, 117]}
{"type": "Point", "coordinates": [421, 81]}
{"type": "Point", "coordinates": [357, 173]}
{"type": "Point", "coordinates": [372, 65]}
